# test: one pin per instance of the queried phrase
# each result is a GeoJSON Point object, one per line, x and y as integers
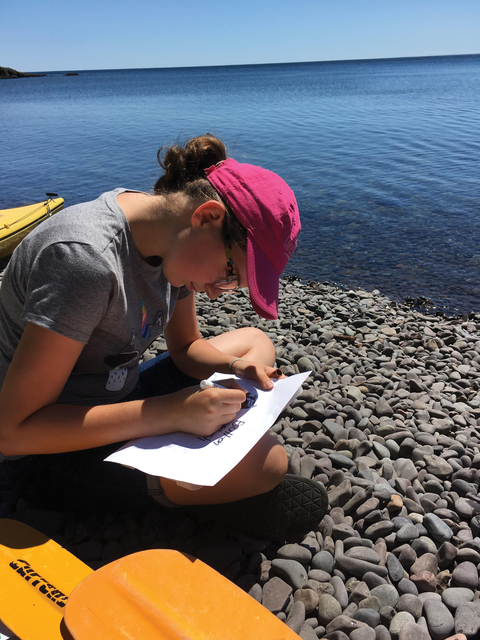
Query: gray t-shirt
{"type": "Point", "coordinates": [80, 275]}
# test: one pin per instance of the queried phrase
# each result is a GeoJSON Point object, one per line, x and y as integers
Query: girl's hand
{"type": "Point", "coordinates": [202, 412]}
{"type": "Point", "coordinates": [261, 373]}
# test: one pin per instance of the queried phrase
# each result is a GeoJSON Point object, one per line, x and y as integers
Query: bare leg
{"type": "Point", "coordinates": [261, 470]}
{"type": "Point", "coordinates": [266, 464]}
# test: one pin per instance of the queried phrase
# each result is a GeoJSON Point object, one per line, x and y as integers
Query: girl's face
{"type": "Point", "coordinates": [198, 258]}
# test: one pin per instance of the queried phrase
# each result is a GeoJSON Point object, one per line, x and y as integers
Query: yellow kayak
{"type": "Point", "coordinates": [16, 223]}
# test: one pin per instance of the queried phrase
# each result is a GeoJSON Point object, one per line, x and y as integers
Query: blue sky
{"type": "Point", "coordinates": [47, 35]}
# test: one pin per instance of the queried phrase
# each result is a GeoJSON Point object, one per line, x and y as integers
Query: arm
{"type": "Point", "coordinates": [200, 358]}
{"type": "Point", "coordinates": [191, 353]}
{"type": "Point", "coordinates": [31, 421]}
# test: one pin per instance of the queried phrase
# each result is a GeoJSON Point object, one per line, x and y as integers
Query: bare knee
{"type": "Point", "coordinates": [261, 348]}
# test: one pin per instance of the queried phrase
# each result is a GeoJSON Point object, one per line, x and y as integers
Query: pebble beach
{"type": "Point", "coordinates": [389, 422]}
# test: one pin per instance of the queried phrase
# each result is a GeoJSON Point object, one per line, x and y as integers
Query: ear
{"type": "Point", "coordinates": [211, 212]}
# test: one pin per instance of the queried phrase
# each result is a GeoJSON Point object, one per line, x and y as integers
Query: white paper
{"type": "Point", "coordinates": [206, 460]}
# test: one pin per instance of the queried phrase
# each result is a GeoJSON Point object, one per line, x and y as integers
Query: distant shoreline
{"type": "Point", "coordinates": [7, 73]}
{"type": "Point", "coordinates": [263, 64]}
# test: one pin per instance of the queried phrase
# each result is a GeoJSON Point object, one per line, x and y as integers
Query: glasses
{"type": "Point", "coordinates": [231, 281]}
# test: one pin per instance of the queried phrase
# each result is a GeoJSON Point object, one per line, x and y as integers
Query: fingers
{"type": "Point", "coordinates": [223, 400]}
{"type": "Point", "coordinates": [267, 375]}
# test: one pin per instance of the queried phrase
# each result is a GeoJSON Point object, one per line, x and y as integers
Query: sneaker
{"type": "Point", "coordinates": [292, 509]}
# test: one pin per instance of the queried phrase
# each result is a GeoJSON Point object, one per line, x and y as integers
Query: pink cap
{"type": "Point", "coordinates": [266, 207]}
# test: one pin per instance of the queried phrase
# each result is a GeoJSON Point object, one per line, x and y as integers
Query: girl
{"type": "Point", "coordinates": [90, 289]}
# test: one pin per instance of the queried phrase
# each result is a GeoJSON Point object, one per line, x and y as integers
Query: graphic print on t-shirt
{"type": "Point", "coordinates": [144, 321]}
{"type": "Point", "coordinates": [116, 379]}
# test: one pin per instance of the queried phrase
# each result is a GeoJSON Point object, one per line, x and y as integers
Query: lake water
{"type": "Point", "coordinates": [384, 155]}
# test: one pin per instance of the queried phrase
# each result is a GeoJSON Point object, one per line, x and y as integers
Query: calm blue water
{"type": "Point", "coordinates": [384, 155]}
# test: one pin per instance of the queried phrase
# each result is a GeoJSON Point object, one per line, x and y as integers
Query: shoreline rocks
{"type": "Point", "coordinates": [7, 73]}
{"type": "Point", "coordinates": [389, 421]}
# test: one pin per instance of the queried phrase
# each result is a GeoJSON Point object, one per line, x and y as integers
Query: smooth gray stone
{"type": "Point", "coordinates": [295, 552]}
{"type": "Point", "coordinates": [426, 562]}
{"type": "Point", "coordinates": [424, 545]}
{"type": "Point", "coordinates": [358, 591]}
{"type": "Point", "coordinates": [400, 521]}
{"type": "Point", "coordinates": [441, 623]}
{"type": "Point", "coordinates": [467, 619]}
{"type": "Point", "coordinates": [395, 569]}
{"type": "Point", "coordinates": [381, 451]}
{"type": "Point", "coordinates": [340, 494]}
{"type": "Point", "coordinates": [372, 517]}
{"type": "Point", "coordinates": [323, 560]}
{"type": "Point", "coordinates": [406, 533]}
{"type": "Point", "coordinates": [386, 615]}
{"type": "Point", "coordinates": [336, 635]}
{"type": "Point", "coordinates": [407, 556]}
{"type": "Point", "coordinates": [437, 528]}
{"type": "Point", "coordinates": [365, 633]}
{"type": "Point", "coordinates": [342, 531]}
{"type": "Point", "coordinates": [383, 409]}
{"type": "Point", "coordinates": [348, 543]}
{"type": "Point", "coordinates": [370, 602]}
{"type": "Point", "coordinates": [421, 529]}
{"type": "Point", "coordinates": [438, 466]}
{"type": "Point", "coordinates": [276, 593]}
{"type": "Point", "coordinates": [469, 555]}
{"type": "Point", "coordinates": [363, 553]}
{"type": "Point", "coordinates": [305, 364]}
{"type": "Point", "coordinates": [407, 586]}
{"type": "Point", "coordinates": [453, 597]}
{"type": "Point", "coordinates": [340, 591]}
{"type": "Point", "coordinates": [387, 595]}
{"type": "Point", "coordinates": [429, 595]}
{"type": "Point", "coordinates": [345, 624]}
{"type": "Point", "coordinates": [358, 567]}
{"type": "Point", "coordinates": [466, 508]}
{"type": "Point", "coordinates": [465, 575]}
{"type": "Point", "coordinates": [319, 575]}
{"type": "Point", "coordinates": [328, 609]}
{"type": "Point", "coordinates": [309, 597]}
{"type": "Point", "coordinates": [296, 616]}
{"type": "Point", "coordinates": [369, 616]}
{"type": "Point", "coordinates": [405, 468]}
{"type": "Point", "coordinates": [398, 621]}
{"type": "Point", "coordinates": [412, 631]}
{"type": "Point", "coordinates": [446, 554]}
{"type": "Point", "coordinates": [291, 571]}
{"type": "Point", "coordinates": [412, 604]}
{"type": "Point", "coordinates": [382, 633]}
{"type": "Point", "coordinates": [379, 529]}
{"type": "Point", "coordinates": [355, 501]}
{"type": "Point", "coordinates": [307, 632]}
{"type": "Point", "coordinates": [341, 461]}
{"type": "Point", "coordinates": [372, 580]}
{"type": "Point", "coordinates": [350, 610]}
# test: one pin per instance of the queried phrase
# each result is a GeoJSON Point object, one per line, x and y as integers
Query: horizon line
{"type": "Point", "coordinates": [257, 64]}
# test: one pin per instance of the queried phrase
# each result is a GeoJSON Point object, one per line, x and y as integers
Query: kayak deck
{"type": "Point", "coordinates": [16, 223]}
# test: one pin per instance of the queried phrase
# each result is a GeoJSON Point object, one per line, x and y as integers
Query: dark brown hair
{"type": "Point", "coordinates": [184, 168]}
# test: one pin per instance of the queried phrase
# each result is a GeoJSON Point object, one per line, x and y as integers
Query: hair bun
{"type": "Point", "coordinates": [188, 163]}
